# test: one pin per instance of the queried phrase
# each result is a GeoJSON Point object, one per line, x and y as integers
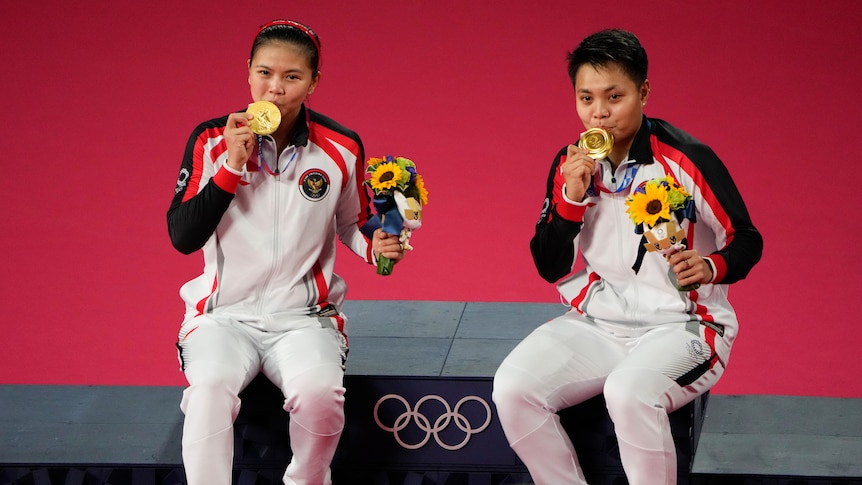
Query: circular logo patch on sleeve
{"type": "Point", "coordinates": [314, 184]}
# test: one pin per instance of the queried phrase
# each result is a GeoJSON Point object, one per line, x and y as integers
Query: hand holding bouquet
{"type": "Point", "coordinates": [399, 195]}
{"type": "Point", "coordinates": [657, 207]}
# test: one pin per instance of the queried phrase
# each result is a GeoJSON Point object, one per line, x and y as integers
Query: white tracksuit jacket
{"type": "Point", "coordinates": [613, 293]}
{"type": "Point", "coordinates": [269, 240]}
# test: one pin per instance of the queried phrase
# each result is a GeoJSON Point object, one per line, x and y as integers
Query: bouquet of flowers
{"type": "Point", "coordinates": [657, 208]}
{"type": "Point", "coordinates": [399, 195]}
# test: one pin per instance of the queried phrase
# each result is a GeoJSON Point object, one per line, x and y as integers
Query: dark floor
{"type": "Point", "coordinates": [745, 439]}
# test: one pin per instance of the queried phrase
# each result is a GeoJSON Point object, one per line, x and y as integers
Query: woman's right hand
{"type": "Point", "coordinates": [577, 171]}
{"type": "Point", "coordinates": [239, 139]}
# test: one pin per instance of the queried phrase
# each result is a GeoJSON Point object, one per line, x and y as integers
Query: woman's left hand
{"type": "Point", "coordinates": [388, 245]}
{"type": "Point", "coordinates": [690, 267]}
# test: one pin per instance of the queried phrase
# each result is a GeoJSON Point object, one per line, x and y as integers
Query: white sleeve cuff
{"type": "Point", "coordinates": [235, 171]}
{"type": "Point", "coordinates": [711, 267]}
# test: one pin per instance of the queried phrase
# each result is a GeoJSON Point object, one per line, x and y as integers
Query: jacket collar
{"type": "Point", "coordinates": [641, 150]}
{"type": "Point", "coordinates": [301, 131]}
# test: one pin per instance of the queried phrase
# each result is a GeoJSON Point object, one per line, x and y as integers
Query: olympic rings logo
{"type": "Point", "coordinates": [440, 424]}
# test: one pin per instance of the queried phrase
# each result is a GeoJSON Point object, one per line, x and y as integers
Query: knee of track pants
{"type": "Point", "coordinates": [315, 400]}
{"type": "Point", "coordinates": [213, 387]}
{"type": "Point", "coordinates": [634, 397]}
{"type": "Point", "coordinates": [506, 390]}
{"type": "Point", "coordinates": [516, 404]}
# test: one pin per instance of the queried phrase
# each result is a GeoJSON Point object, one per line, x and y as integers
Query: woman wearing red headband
{"type": "Point", "coordinates": [266, 207]}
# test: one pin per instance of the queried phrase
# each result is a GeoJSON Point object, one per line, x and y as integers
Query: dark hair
{"type": "Point", "coordinates": [611, 46]}
{"type": "Point", "coordinates": [291, 32]}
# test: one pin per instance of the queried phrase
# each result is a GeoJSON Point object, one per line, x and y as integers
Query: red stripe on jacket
{"type": "Point", "coordinates": [198, 159]}
{"type": "Point", "coordinates": [576, 303]}
{"type": "Point", "coordinates": [708, 333]}
{"type": "Point", "coordinates": [324, 138]}
{"type": "Point", "coordinates": [203, 302]}
{"type": "Point", "coordinates": [687, 166]}
{"type": "Point", "coordinates": [320, 283]}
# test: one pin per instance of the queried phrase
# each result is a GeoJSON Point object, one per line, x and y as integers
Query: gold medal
{"type": "Point", "coordinates": [266, 117]}
{"type": "Point", "coordinates": [597, 142]}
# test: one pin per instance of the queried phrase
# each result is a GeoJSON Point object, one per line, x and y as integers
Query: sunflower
{"type": "Point", "coordinates": [386, 176]}
{"type": "Point", "coordinates": [419, 185]}
{"type": "Point", "coordinates": [649, 206]}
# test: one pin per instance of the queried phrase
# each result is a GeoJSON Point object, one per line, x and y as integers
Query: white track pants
{"type": "Point", "coordinates": [567, 361]}
{"type": "Point", "coordinates": [221, 357]}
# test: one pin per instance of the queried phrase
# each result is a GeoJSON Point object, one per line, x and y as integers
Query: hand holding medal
{"type": "Point", "coordinates": [265, 118]}
{"type": "Point", "coordinates": [582, 161]}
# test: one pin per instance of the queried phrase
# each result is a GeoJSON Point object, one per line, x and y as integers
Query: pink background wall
{"type": "Point", "coordinates": [99, 100]}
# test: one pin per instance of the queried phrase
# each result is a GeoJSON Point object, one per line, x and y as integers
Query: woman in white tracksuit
{"type": "Point", "coordinates": [266, 210]}
{"type": "Point", "coordinates": [631, 334]}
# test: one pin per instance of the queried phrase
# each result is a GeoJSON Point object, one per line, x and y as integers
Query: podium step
{"type": "Point", "coordinates": [419, 413]}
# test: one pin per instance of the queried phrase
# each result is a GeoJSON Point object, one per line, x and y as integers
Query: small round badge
{"type": "Point", "coordinates": [597, 142]}
{"type": "Point", "coordinates": [266, 117]}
